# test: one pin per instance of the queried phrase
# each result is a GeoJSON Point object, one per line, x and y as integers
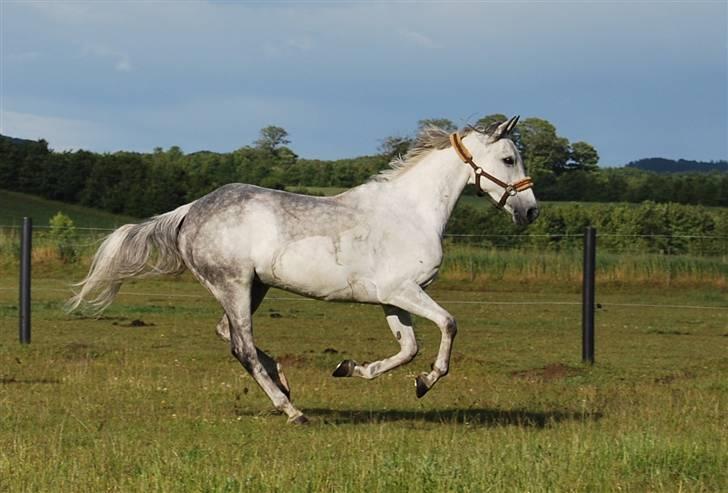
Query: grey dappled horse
{"type": "Point", "coordinates": [380, 243]}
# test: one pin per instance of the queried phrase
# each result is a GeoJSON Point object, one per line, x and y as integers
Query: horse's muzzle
{"type": "Point", "coordinates": [525, 218]}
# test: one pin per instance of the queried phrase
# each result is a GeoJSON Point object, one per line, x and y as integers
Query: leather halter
{"type": "Point", "coordinates": [510, 189]}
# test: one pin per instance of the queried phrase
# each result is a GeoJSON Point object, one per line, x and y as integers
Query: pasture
{"type": "Point", "coordinates": [147, 398]}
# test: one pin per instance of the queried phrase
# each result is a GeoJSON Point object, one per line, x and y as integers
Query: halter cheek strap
{"type": "Point", "coordinates": [509, 189]}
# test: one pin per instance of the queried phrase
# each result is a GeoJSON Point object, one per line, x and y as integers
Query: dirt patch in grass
{"type": "Point", "coordinates": [78, 351]}
{"type": "Point", "coordinates": [668, 332]}
{"type": "Point", "coordinates": [28, 381]}
{"type": "Point", "coordinates": [668, 379]}
{"type": "Point", "coordinates": [288, 359]}
{"type": "Point", "coordinates": [554, 371]}
{"type": "Point", "coordinates": [135, 323]}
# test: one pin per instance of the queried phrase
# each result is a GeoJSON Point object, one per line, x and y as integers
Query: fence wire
{"type": "Point", "coordinates": [149, 294]}
{"type": "Point", "coordinates": [474, 255]}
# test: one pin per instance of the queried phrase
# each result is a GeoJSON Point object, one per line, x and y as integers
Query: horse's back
{"type": "Point", "coordinates": [313, 245]}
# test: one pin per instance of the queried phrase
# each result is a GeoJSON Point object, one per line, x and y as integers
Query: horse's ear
{"type": "Point", "coordinates": [512, 124]}
{"type": "Point", "coordinates": [504, 129]}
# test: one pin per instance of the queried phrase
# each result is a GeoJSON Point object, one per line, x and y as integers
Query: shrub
{"type": "Point", "coordinates": [63, 234]}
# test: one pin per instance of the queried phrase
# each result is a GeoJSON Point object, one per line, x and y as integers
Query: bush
{"type": "Point", "coordinates": [63, 234]}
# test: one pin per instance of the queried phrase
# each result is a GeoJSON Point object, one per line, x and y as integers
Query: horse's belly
{"type": "Point", "coordinates": [318, 266]}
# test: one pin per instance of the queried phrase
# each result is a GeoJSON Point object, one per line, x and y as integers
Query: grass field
{"type": "Point", "coordinates": [148, 399]}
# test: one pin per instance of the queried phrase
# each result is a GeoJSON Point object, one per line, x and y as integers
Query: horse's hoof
{"type": "Point", "coordinates": [421, 386]}
{"type": "Point", "coordinates": [299, 420]}
{"type": "Point", "coordinates": [345, 369]}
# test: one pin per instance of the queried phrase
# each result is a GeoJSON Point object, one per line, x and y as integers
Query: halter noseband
{"type": "Point", "coordinates": [510, 189]}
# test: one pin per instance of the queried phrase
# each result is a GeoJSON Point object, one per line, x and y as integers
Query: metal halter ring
{"type": "Point", "coordinates": [511, 190]}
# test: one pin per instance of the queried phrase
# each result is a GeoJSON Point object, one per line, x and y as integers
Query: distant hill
{"type": "Point", "coordinates": [17, 141]}
{"type": "Point", "coordinates": [16, 205]}
{"type": "Point", "coordinates": [662, 165]}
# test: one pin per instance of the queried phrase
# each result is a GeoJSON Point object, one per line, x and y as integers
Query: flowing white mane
{"type": "Point", "coordinates": [429, 139]}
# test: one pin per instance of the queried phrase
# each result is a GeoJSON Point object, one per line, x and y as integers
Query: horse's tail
{"type": "Point", "coordinates": [127, 253]}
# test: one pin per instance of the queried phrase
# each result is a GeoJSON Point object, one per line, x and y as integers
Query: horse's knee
{"type": "Point", "coordinates": [410, 351]}
{"type": "Point", "coordinates": [451, 327]}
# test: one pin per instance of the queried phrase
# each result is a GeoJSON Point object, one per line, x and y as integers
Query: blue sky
{"type": "Point", "coordinates": [635, 79]}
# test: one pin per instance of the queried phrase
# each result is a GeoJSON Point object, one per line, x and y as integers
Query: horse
{"type": "Point", "coordinates": [377, 243]}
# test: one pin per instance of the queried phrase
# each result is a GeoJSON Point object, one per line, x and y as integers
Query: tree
{"type": "Point", "coordinates": [395, 146]}
{"type": "Point", "coordinates": [583, 156]}
{"type": "Point", "coordinates": [271, 138]}
{"type": "Point", "coordinates": [443, 123]}
{"type": "Point", "coordinates": [542, 149]}
{"type": "Point", "coordinates": [489, 120]}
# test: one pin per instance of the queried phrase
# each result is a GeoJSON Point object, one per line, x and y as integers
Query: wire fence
{"type": "Point", "coordinates": [611, 242]}
{"type": "Point", "coordinates": [602, 305]}
{"type": "Point", "coordinates": [482, 258]}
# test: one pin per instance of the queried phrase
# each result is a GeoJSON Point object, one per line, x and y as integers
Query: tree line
{"type": "Point", "coordinates": [662, 165]}
{"type": "Point", "coordinates": [143, 184]}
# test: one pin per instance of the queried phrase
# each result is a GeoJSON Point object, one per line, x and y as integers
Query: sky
{"type": "Point", "coordinates": [634, 79]}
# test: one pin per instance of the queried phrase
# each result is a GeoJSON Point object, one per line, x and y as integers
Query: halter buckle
{"type": "Point", "coordinates": [511, 190]}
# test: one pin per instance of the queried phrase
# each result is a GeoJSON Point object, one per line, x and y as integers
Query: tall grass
{"type": "Point", "coordinates": [478, 264]}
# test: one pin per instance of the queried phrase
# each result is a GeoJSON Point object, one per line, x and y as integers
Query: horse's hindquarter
{"type": "Point", "coordinates": [322, 247]}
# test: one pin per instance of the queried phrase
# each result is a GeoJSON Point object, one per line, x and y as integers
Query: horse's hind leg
{"type": "Point", "coordinates": [237, 301]}
{"type": "Point", "coordinates": [400, 324]}
{"type": "Point", "coordinates": [273, 368]}
{"type": "Point", "coordinates": [257, 294]}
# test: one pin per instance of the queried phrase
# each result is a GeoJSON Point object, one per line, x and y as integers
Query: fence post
{"type": "Point", "coordinates": [24, 306]}
{"type": "Point", "coordinates": [587, 314]}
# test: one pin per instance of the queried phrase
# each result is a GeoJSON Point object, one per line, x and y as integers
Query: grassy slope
{"type": "Point", "coordinates": [13, 206]}
{"type": "Point", "coordinates": [103, 405]}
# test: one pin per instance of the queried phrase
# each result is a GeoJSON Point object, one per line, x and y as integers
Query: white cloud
{"type": "Point", "coordinates": [120, 60]}
{"type": "Point", "coordinates": [418, 38]}
{"type": "Point", "coordinates": [123, 65]}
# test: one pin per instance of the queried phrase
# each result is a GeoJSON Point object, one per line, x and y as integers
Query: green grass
{"type": "Point", "coordinates": [108, 405]}
{"type": "Point", "coordinates": [483, 266]}
{"type": "Point", "coordinates": [147, 398]}
{"type": "Point", "coordinates": [17, 205]}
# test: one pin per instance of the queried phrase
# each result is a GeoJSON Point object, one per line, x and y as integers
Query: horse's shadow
{"type": "Point", "coordinates": [469, 417]}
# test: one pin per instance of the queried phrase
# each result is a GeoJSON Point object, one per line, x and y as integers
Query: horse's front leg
{"type": "Point", "coordinates": [413, 299]}
{"type": "Point", "coordinates": [400, 323]}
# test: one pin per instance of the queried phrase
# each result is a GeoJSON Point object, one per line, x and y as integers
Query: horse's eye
{"type": "Point", "coordinates": [508, 160]}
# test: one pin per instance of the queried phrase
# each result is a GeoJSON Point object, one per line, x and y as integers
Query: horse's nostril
{"type": "Point", "coordinates": [532, 214]}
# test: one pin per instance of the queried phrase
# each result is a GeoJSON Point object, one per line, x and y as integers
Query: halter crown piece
{"type": "Point", "coordinates": [510, 189]}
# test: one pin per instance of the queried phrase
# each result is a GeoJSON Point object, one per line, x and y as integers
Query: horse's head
{"type": "Point", "coordinates": [498, 169]}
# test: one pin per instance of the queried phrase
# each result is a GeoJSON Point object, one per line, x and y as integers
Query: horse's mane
{"type": "Point", "coordinates": [429, 138]}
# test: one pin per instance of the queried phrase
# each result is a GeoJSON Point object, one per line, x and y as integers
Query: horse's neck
{"type": "Point", "coordinates": [432, 187]}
